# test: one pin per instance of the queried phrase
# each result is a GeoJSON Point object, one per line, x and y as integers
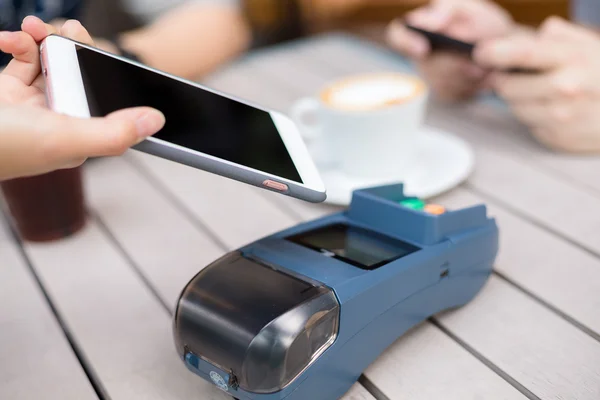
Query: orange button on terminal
{"type": "Point", "coordinates": [282, 187]}
{"type": "Point", "coordinates": [434, 209]}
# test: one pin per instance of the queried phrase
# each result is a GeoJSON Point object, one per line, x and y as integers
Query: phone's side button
{"type": "Point", "coordinates": [281, 187]}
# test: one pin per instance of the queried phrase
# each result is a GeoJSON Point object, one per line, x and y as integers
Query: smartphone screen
{"type": "Point", "coordinates": [195, 118]}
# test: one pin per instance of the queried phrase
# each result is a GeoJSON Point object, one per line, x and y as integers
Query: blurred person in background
{"type": "Point", "coordinates": [187, 38]}
{"type": "Point", "coordinates": [560, 102]}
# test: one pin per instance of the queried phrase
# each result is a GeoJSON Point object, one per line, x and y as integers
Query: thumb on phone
{"type": "Point", "coordinates": [77, 138]}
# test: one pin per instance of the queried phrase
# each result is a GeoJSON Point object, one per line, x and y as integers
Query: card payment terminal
{"type": "Point", "coordinates": [302, 313]}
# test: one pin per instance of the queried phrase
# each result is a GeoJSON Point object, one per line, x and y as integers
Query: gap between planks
{"type": "Point", "coordinates": [33, 319]}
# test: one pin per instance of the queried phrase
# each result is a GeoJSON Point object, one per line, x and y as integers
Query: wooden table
{"type": "Point", "coordinates": [90, 317]}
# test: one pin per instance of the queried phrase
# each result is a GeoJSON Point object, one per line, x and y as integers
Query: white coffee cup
{"type": "Point", "coordinates": [366, 125]}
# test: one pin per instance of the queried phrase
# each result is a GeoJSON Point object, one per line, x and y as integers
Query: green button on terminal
{"type": "Point", "coordinates": [415, 204]}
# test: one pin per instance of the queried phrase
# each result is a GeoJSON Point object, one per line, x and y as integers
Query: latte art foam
{"type": "Point", "coordinates": [372, 92]}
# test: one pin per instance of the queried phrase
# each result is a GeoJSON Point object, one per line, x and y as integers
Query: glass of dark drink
{"type": "Point", "coordinates": [46, 207]}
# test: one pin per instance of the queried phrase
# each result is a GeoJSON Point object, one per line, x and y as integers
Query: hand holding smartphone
{"type": "Point", "coordinates": [441, 42]}
{"type": "Point", "coordinates": [204, 128]}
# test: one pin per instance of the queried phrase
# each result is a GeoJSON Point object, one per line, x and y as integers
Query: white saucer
{"type": "Point", "coordinates": [444, 161]}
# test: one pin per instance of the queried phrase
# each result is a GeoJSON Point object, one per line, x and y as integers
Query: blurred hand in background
{"type": "Point", "coordinates": [451, 76]}
{"type": "Point", "coordinates": [560, 101]}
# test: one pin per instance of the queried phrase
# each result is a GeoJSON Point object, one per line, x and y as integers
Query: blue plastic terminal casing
{"type": "Point", "coordinates": [451, 259]}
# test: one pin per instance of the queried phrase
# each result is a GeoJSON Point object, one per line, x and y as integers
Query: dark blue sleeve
{"type": "Point", "coordinates": [72, 9]}
{"type": "Point", "coordinates": [586, 11]}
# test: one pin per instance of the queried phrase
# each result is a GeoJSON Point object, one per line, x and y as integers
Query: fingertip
{"type": "Point", "coordinates": [31, 19]}
{"type": "Point", "coordinates": [150, 123]}
{"type": "Point", "coordinates": [406, 41]}
{"type": "Point", "coordinates": [19, 44]}
{"type": "Point", "coordinates": [73, 29]}
{"type": "Point", "coordinates": [161, 117]}
{"type": "Point", "coordinates": [393, 29]}
{"type": "Point", "coordinates": [72, 24]}
{"type": "Point", "coordinates": [433, 17]}
{"type": "Point", "coordinates": [6, 36]}
{"type": "Point", "coordinates": [415, 17]}
{"type": "Point", "coordinates": [124, 136]}
{"type": "Point", "coordinates": [484, 52]}
{"type": "Point", "coordinates": [420, 47]}
{"type": "Point", "coordinates": [423, 19]}
{"type": "Point", "coordinates": [36, 28]}
{"type": "Point", "coordinates": [553, 22]}
{"type": "Point", "coordinates": [31, 24]}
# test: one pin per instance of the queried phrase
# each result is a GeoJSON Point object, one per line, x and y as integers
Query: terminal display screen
{"type": "Point", "coordinates": [359, 247]}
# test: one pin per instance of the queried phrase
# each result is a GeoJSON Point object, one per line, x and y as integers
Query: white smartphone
{"type": "Point", "coordinates": [205, 129]}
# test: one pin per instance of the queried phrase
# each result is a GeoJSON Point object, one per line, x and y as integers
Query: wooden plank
{"type": "Point", "coordinates": [121, 328]}
{"type": "Point", "coordinates": [425, 364]}
{"type": "Point", "coordinates": [557, 272]}
{"type": "Point", "coordinates": [36, 360]}
{"type": "Point", "coordinates": [164, 243]}
{"type": "Point", "coordinates": [301, 210]}
{"type": "Point", "coordinates": [513, 138]}
{"type": "Point", "coordinates": [237, 81]}
{"type": "Point", "coordinates": [358, 392]}
{"type": "Point", "coordinates": [542, 351]}
{"type": "Point", "coordinates": [302, 82]}
{"type": "Point", "coordinates": [537, 194]}
{"type": "Point", "coordinates": [236, 212]}
{"type": "Point", "coordinates": [575, 168]}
